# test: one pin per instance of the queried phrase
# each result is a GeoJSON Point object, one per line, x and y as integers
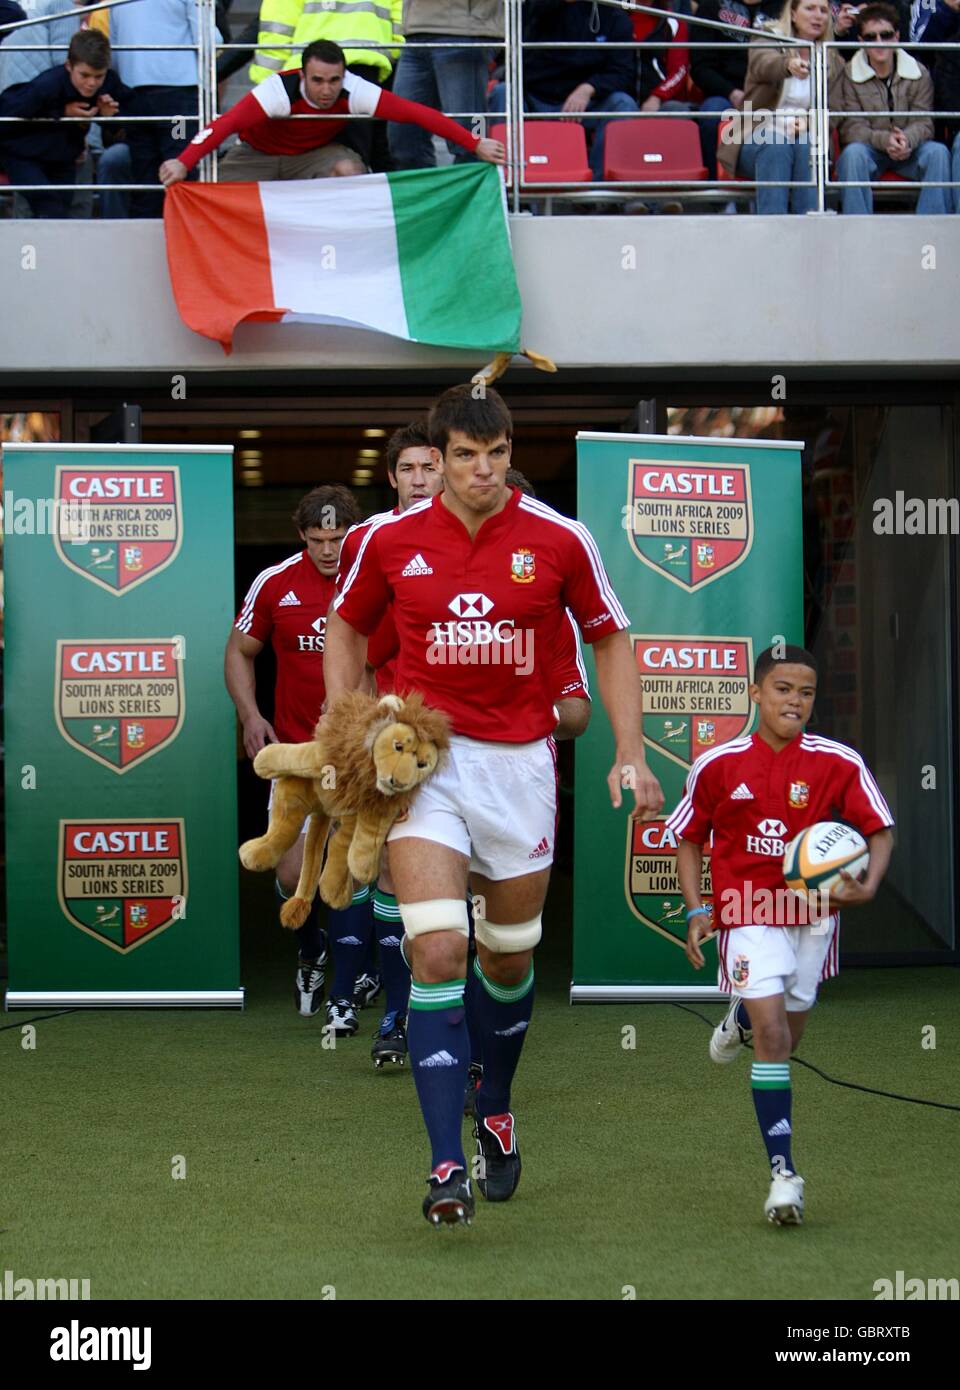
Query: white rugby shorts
{"type": "Point", "coordinates": [496, 803]}
{"type": "Point", "coordinates": [756, 962]}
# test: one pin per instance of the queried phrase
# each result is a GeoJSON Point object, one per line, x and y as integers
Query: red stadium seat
{"type": "Point", "coordinates": [554, 151]}
{"type": "Point", "coordinates": [653, 150]}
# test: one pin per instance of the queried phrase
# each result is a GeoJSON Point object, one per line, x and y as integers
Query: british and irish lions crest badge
{"type": "Point", "coordinates": [523, 566]}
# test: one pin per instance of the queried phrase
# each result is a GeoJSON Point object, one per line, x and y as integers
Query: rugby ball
{"type": "Point", "coordinates": [813, 859]}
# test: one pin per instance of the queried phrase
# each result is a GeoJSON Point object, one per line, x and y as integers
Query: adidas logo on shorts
{"type": "Point", "coordinates": [289, 600]}
{"type": "Point", "coordinates": [781, 1128]}
{"type": "Point", "coordinates": [439, 1059]}
{"type": "Point", "coordinates": [417, 565]}
{"type": "Point", "coordinates": [389, 941]}
{"type": "Point", "coordinates": [742, 793]}
{"type": "Point", "coordinates": [541, 849]}
{"type": "Point", "coordinates": [350, 941]}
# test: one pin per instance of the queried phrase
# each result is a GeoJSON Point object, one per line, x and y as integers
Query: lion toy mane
{"type": "Point", "coordinates": [361, 769]}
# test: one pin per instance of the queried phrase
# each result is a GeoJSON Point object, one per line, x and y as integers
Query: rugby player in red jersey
{"type": "Point", "coordinates": [755, 794]}
{"type": "Point", "coordinates": [414, 476]}
{"type": "Point", "coordinates": [493, 568]}
{"type": "Point", "coordinates": [287, 605]}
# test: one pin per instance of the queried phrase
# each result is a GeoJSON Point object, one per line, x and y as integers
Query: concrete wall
{"type": "Point", "coordinates": [706, 291]}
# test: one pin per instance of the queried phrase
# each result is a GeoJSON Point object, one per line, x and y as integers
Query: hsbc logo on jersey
{"type": "Point", "coordinates": [770, 840]}
{"type": "Point", "coordinates": [470, 605]}
{"type": "Point", "coordinates": [313, 644]}
{"type": "Point", "coordinates": [475, 640]}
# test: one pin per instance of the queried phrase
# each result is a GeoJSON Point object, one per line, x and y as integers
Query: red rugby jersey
{"type": "Point", "coordinates": [261, 118]}
{"type": "Point", "coordinates": [473, 615]}
{"type": "Point", "coordinates": [287, 605]}
{"type": "Point", "coordinates": [383, 643]}
{"type": "Point", "coordinates": [755, 801]}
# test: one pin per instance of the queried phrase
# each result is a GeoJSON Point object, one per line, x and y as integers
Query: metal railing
{"type": "Point", "coordinates": [516, 120]}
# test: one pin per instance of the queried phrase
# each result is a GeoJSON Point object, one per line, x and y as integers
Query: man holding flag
{"type": "Point", "coordinates": [273, 146]}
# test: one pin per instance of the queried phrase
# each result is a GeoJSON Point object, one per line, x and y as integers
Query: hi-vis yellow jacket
{"type": "Point", "coordinates": [345, 22]}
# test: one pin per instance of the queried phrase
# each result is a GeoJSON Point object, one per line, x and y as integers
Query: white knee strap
{"type": "Point", "coordinates": [520, 936]}
{"type": "Point", "coordinates": [439, 914]}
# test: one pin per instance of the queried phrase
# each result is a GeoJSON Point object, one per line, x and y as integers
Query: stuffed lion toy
{"type": "Point", "coordinates": [362, 768]}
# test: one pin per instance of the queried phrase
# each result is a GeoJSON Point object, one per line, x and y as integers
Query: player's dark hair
{"type": "Point", "coordinates": [324, 51]}
{"type": "Point", "coordinates": [483, 418]}
{"type": "Point", "coordinates": [91, 47]}
{"type": "Point", "coordinates": [785, 656]}
{"type": "Point", "coordinates": [517, 479]}
{"type": "Point", "coordinates": [412, 436]}
{"type": "Point", "coordinates": [887, 13]}
{"type": "Point", "coordinates": [331, 499]}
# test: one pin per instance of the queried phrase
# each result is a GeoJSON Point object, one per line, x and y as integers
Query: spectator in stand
{"type": "Point", "coordinates": [721, 72]}
{"type": "Point", "coordinates": [10, 13]}
{"type": "Point", "coordinates": [448, 79]}
{"type": "Point", "coordinates": [920, 13]}
{"type": "Point", "coordinates": [944, 27]}
{"type": "Point", "coordinates": [770, 141]}
{"type": "Point", "coordinates": [17, 68]}
{"type": "Point", "coordinates": [274, 147]}
{"type": "Point", "coordinates": [163, 83]}
{"type": "Point", "coordinates": [883, 80]}
{"type": "Point", "coordinates": [573, 81]}
{"type": "Point", "coordinates": [665, 72]}
{"type": "Point", "coordinates": [46, 151]}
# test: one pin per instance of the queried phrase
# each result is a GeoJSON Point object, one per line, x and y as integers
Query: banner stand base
{"type": "Point", "coordinates": [124, 999]}
{"type": "Point", "coordinates": [646, 994]}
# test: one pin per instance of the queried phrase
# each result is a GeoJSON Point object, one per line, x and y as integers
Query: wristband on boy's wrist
{"type": "Point", "coordinates": [695, 911]}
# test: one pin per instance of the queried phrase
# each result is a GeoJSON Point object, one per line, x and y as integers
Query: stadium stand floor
{"type": "Point", "coordinates": [305, 1169]}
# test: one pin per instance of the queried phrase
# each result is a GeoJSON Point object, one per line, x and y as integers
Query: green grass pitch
{"type": "Point", "coordinates": [305, 1169]}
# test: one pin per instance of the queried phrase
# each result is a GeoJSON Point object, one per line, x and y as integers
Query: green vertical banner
{"type": "Point", "coordinates": [702, 540]}
{"type": "Point", "coordinates": [120, 737]}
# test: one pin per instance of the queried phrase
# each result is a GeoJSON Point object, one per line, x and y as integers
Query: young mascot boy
{"type": "Point", "coordinates": [755, 794]}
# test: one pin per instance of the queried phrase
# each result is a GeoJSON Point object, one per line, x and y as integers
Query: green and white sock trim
{"type": "Point", "coordinates": [504, 994]}
{"type": "Point", "coordinates": [770, 1076]}
{"type": "Point", "coordinates": [447, 995]}
{"type": "Point", "coordinates": [385, 907]}
{"type": "Point", "coordinates": [362, 895]}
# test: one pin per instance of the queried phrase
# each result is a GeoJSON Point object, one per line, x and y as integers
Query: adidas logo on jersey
{"type": "Point", "coordinates": [743, 793]}
{"type": "Point", "coordinates": [349, 941]}
{"type": "Point", "coordinates": [289, 600]}
{"type": "Point", "coordinates": [511, 1032]}
{"type": "Point", "coordinates": [389, 941]}
{"type": "Point", "coordinates": [439, 1059]}
{"type": "Point", "coordinates": [541, 849]}
{"type": "Point", "coordinates": [417, 565]}
{"type": "Point", "coordinates": [781, 1128]}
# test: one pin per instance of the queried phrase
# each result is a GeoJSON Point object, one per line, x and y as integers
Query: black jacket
{"type": "Point", "coordinates": [46, 98]}
{"type": "Point", "coordinates": [720, 71]}
{"type": "Point", "coordinates": [552, 75]}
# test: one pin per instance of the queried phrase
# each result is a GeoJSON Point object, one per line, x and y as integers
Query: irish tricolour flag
{"type": "Point", "coordinates": [422, 255]}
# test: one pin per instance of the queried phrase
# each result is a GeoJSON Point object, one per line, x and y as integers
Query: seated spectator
{"type": "Point", "coordinates": [274, 147]}
{"type": "Point", "coordinates": [665, 72]}
{"type": "Point", "coordinates": [47, 151]}
{"type": "Point", "coordinates": [944, 27]}
{"type": "Point", "coordinates": [449, 79]}
{"type": "Point", "coordinates": [920, 13]}
{"type": "Point", "coordinates": [883, 80]}
{"type": "Point", "coordinates": [576, 80]}
{"type": "Point", "coordinates": [10, 13]}
{"type": "Point", "coordinates": [771, 142]}
{"type": "Point", "coordinates": [721, 72]}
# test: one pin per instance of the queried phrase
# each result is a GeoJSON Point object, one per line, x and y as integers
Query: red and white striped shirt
{"type": "Point", "coordinates": [477, 620]}
{"type": "Point", "coordinates": [756, 800]}
{"type": "Point", "coordinates": [287, 605]}
{"type": "Point", "coordinates": [261, 118]}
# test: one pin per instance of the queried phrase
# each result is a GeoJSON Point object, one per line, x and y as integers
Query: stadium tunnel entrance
{"type": "Point", "coordinates": [881, 618]}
